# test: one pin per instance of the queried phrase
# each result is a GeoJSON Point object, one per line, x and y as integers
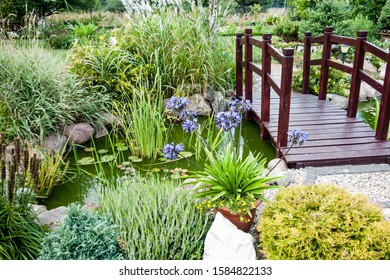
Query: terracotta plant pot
{"type": "Point", "coordinates": [235, 219]}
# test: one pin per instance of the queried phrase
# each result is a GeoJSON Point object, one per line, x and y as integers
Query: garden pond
{"type": "Point", "coordinates": [81, 185]}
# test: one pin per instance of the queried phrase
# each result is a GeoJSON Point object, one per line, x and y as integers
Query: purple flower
{"type": "Point", "coordinates": [240, 106]}
{"type": "Point", "coordinates": [298, 137]}
{"type": "Point", "coordinates": [227, 120]}
{"type": "Point", "coordinates": [187, 115]}
{"type": "Point", "coordinates": [177, 104]}
{"type": "Point", "coordinates": [172, 150]}
{"type": "Point", "coordinates": [190, 125]}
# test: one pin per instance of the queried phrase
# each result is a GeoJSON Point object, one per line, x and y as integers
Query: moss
{"type": "Point", "coordinates": [323, 222]}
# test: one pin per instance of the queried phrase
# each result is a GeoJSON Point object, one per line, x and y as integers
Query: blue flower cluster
{"type": "Point", "coordinates": [189, 121]}
{"type": "Point", "coordinates": [298, 137]}
{"type": "Point", "coordinates": [177, 104]}
{"type": "Point", "coordinates": [227, 120]}
{"type": "Point", "coordinates": [171, 151]}
{"type": "Point", "coordinates": [240, 106]}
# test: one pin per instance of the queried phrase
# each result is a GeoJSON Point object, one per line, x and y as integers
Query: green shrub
{"type": "Point", "coordinates": [323, 222]}
{"type": "Point", "coordinates": [84, 235]}
{"type": "Point", "coordinates": [287, 29]}
{"type": "Point", "coordinates": [20, 234]}
{"type": "Point", "coordinates": [338, 82]}
{"type": "Point", "coordinates": [158, 221]}
{"type": "Point", "coordinates": [384, 18]}
{"type": "Point", "coordinates": [351, 26]}
{"type": "Point", "coordinates": [272, 20]}
{"type": "Point", "coordinates": [39, 96]}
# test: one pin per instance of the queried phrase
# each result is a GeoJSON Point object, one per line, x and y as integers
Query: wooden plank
{"type": "Point", "coordinates": [336, 156]}
{"type": "Point", "coordinates": [320, 130]}
{"type": "Point", "coordinates": [327, 149]}
{"type": "Point", "coordinates": [338, 142]}
{"type": "Point", "coordinates": [341, 135]}
{"type": "Point", "coordinates": [309, 124]}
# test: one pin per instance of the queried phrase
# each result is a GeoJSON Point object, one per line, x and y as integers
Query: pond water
{"type": "Point", "coordinates": [82, 187]}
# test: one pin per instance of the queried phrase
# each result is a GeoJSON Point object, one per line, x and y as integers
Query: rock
{"type": "Point", "coordinates": [55, 143]}
{"type": "Point", "coordinates": [230, 93]}
{"type": "Point", "coordinates": [52, 218]}
{"type": "Point", "coordinates": [367, 92]}
{"type": "Point", "coordinates": [368, 67]}
{"type": "Point", "coordinates": [225, 242]}
{"type": "Point", "coordinates": [190, 89]}
{"type": "Point", "coordinates": [219, 104]}
{"type": "Point", "coordinates": [208, 93]}
{"type": "Point", "coordinates": [79, 133]}
{"type": "Point", "coordinates": [199, 105]}
{"type": "Point", "coordinates": [100, 131]}
{"type": "Point", "coordinates": [110, 121]}
{"type": "Point", "coordinates": [38, 209]}
{"type": "Point", "coordinates": [381, 74]}
{"type": "Point", "coordinates": [277, 163]}
{"type": "Point", "coordinates": [338, 100]}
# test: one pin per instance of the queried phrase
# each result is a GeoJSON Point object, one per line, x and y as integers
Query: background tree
{"type": "Point", "coordinates": [369, 8]}
{"type": "Point", "coordinates": [384, 18]}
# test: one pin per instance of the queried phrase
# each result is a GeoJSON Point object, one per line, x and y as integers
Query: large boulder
{"type": "Point", "coordinates": [381, 74]}
{"type": "Point", "coordinates": [79, 133]}
{"type": "Point", "coordinates": [52, 218]}
{"type": "Point", "coordinates": [338, 100]}
{"type": "Point", "coordinates": [367, 92]}
{"type": "Point", "coordinates": [110, 121]}
{"type": "Point", "coordinates": [208, 93]}
{"type": "Point", "coordinates": [199, 105]}
{"type": "Point", "coordinates": [219, 104]}
{"type": "Point", "coordinates": [55, 143]}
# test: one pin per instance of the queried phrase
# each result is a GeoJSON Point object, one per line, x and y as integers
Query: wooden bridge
{"type": "Point", "coordinates": [336, 136]}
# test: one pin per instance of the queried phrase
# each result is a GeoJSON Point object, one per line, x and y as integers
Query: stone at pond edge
{"type": "Point", "coordinates": [219, 104]}
{"type": "Point", "coordinates": [367, 92]}
{"type": "Point", "coordinates": [382, 74]}
{"type": "Point", "coordinates": [100, 131]}
{"type": "Point", "coordinates": [208, 93]}
{"type": "Point", "coordinates": [38, 209]}
{"type": "Point", "coordinates": [110, 121]}
{"type": "Point", "coordinates": [55, 143]}
{"type": "Point", "coordinates": [338, 100]}
{"type": "Point", "coordinates": [79, 133]}
{"type": "Point", "coordinates": [52, 218]}
{"type": "Point", "coordinates": [275, 164]}
{"type": "Point", "coordinates": [230, 93]}
{"type": "Point", "coordinates": [199, 105]}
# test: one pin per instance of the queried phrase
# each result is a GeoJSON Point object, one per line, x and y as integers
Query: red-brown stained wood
{"type": "Point", "coordinates": [239, 65]}
{"type": "Point", "coordinates": [248, 72]}
{"type": "Point", "coordinates": [327, 48]}
{"type": "Point", "coordinates": [306, 63]}
{"type": "Point", "coordinates": [265, 87]}
{"type": "Point", "coordinates": [358, 63]}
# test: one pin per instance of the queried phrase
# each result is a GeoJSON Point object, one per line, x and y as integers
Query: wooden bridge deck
{"type": "Point", "coordinates": [334, 138]}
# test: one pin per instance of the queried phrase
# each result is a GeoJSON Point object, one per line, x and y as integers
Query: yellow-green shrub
{"type": "Point", "coordinates": [323, 222]}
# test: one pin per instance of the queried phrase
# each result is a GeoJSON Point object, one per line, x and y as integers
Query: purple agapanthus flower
{"type": "Point", "coordinates": [177, 104]}
{"type": "Point", "coordinates": [227, 120]}
{"type": "Point", "coordinates": [297, 137]}
{"type": "Point", "coordinates": [190, 125]}
{"type": "Point", "coordinates": [171, 151]}
{"type": "Point", "coordinates": [240, 106]}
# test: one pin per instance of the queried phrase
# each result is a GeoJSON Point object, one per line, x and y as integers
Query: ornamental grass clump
{"type": "Point", "coordinates": [157, 220]}
{"type": "Point", "coordinates": [323, 222]}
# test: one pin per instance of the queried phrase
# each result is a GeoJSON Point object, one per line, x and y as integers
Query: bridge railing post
{"type": "Point", "coordinates": [382, 127]}
{"type": "Point", "coordinates": [248, 71]}
{"type": "Point", "coordinates": [265, 87]}
{"type": "Point", "coordinates": [239, 65]}
{"type": "Point", "coordinates": [285, 99]}
{"type": "Point", "coordinates": [306, 62]}
{"type": "Point", "coordinates": [327, 49]}
{"type": "Point", "coordinates": [356, 81]}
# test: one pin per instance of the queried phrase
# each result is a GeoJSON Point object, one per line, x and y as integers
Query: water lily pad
{"type": "Point", "coordinates": [137, 160]}
{"type": "Point", "coordinates": [126, 163]}
{"type": "Point", "coordinates": [89, 149]}
{"type": "Point", "coordinates": [119, 144]}
{"type": "Point", "coordinates": [162, 159]}
{"type": "Point", "coordinates": [107, 158]}
{"type": "Point", "coordinates": [86, 161]}
{"type": "Point", "coordinates": [102, 151]}
{"type": "Point", "coordinates": [155, 170]}
{"type": "Point", "coordinates": [130, 169]}
{"type": "Point", "coordinates": [128, 172]}
{"type": "Point", "coordinates": [120, 166]}
{"type": "Point", "coordinates": [122, 148]}
{"type": "Point", "coordinates": [132, 157]}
